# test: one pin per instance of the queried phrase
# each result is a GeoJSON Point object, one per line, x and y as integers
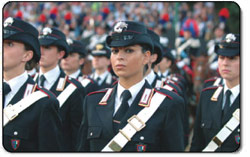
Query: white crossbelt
{"type": "Point", "coordinates": [223, 134]}
{"type": "Point", "coordinates": [135, 124]}
{"type": "Point", "coordinates": [65, 94]}
{"type": "Point", "coordinates": [12, 111]}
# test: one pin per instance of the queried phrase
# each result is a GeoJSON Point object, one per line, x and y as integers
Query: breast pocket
{"type": "Point", "coordinates": [94, 132]}
{"type": "Point", "coordinates": [17, 132]}
{"type": "Point", "coordinates": [145, 136]}
{"type": "Point", "coordinates": [205, 124]}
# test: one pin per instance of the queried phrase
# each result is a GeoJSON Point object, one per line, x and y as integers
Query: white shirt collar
{"type": "Point", "coordinates": [134, 90]}
{"type": "Point", "coordinates": [32, 72]}
{"type": "Point", "coordinates": [150, 77]}
{"type": "Point", "coordinates": [15, 84]}
{"type": "Point", "coordinates": [75, 74]}
{"type": "Point", "coordinates": [102, 76]}
{"type": "Point", "coordinates": [52, 75]}
{"type": "Point", "coordinates": [165, 74]}
{"type": "Point", "coordinates": [235, 92]}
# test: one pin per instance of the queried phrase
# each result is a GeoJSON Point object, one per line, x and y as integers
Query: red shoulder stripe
{"type": "Point", "coordinates": [67, 79]}
{"type": "Point", "coordinates": [96, 92]}
{"type": "Point", "coordinates": [208, 88]}
{"type": "Point", "coordinates": [115, 83]}
{"type": "Point", "coordinates": [163, 94]}
{"type": "Point", "coordinates": [209, 80]}
{"type": "Point", "coordinates": [43, 91]}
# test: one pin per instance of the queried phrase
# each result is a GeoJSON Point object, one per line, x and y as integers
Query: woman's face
{"type": "Point", "coordinates": [128, 62]}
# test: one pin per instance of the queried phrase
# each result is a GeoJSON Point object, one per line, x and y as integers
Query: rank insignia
{"type": "Point", "coordinates": [146, 97]}
{"type": "Point", "coordinates": [216, 93]}
{"type": "Point", "coordinates": [141, 147]}
{"type": "Point", "coordinates": [106, 97]}
{"type": "Point", "coordinates": [237, 139]}
{"type": "Point", "coordinates": [15, 143]}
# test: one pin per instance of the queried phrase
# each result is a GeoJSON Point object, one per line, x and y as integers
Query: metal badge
{"type": "Point", "coordinates": [69, 41]}
{"type": "Point", "coordinates": [47, 31]}
{"type": "Point", "coordinates": [230, 37]}
{"type": "Point", "coordinates": [8, 21]}
{"type": "Point", "coordinates": [120, 26]}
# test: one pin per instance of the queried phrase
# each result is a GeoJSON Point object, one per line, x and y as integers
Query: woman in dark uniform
{"type": "Point", "coordinates": [106, 111]}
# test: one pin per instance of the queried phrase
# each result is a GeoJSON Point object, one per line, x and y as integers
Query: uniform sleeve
{"type": "Point", "coordinates": [198, 138]}
{"type": "Point", "coordinates": [76, 114]}
{"type": "Point", "coordinates": [82, 143]}
{"type": "Point", "coordinates": [49, 127]}
{"type": "Point", "coordinates": [173, 127]}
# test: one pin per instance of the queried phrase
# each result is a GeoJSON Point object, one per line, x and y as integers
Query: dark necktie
{"type": "Point", "coordinates": [98, 80]}
{"type": "Point", "coordinates": [227, 103]}
{"type": "Point", "coordinates": [6, 90]}
{"type": "Point", "coordinates": [126, 95]}
{"type": "Point", "coordinates": [42, 80]}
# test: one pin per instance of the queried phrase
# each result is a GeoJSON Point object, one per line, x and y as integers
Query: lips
{"type": "Point", "coordinates": [120, 66]}
{"type": "Point", "coordinates": [225, 71]}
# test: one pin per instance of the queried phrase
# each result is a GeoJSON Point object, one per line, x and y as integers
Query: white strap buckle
{"type": "Point", "coordinates": [134, 121]}
{"type": "Point", "coordinates": [10, 112]}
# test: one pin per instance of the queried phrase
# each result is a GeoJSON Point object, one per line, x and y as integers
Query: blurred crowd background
{"type": "Point", "coordinates": [83, 20]}
{"type": "Point", "coordinates": [91, 22]}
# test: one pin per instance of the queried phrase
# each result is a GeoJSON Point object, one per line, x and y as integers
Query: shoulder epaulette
{"type": "Point", "coordinates": [173, 89]}
{"type": "Point", "coordinates": [210, 88]}
{"type": "Point", "coordinates": [210, 79]}
{"type": "Point", "coordinates": [69, 80]}
{"type": "Point", "coordinates": [42, 90]}
{"type": "Point", "coordinates": [158, 90]}
{"type": "Point", "coordinates": [99, 91]}
{"type": "Point", "coordinates": [115, 83]}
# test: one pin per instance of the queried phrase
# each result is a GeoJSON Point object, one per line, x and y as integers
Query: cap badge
{"type": "Point", "coordinates": [69, 41]}
{"type": "Point", "coordinates": [230, 37]}
{"type": "Point", "coordinates": [99, 46]}
{"type": "Point", "coordinates": [119, 27]}
{"type": "Point", "coordinates": [8, 21]}
{"type": "Point", "coordinates": [47, 31]}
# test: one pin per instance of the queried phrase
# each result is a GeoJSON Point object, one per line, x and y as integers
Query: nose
{"type": "Point", "coordinates": [120, 55]}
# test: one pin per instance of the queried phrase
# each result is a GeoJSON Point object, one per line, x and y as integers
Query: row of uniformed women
{"type": "Point", "coordinates": [131, 116]}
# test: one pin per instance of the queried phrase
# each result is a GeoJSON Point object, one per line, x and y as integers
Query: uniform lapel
{"type": "Point", "coordinates": [105, 112]}
{"type": "Point", "coordinates": [216, 109]}
{"type": "Point", "coordinates": [20, 94]}
{"type": "Point", "coordinates": [235, 105]}
{"type": "Point", "coordinates": [53, 88]}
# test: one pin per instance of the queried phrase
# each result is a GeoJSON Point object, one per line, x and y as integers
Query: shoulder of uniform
{"type": "Point", "coordinates": [102, 91]}
{"type": "Point", "coordinates": [164, 92]}
{"type": "Point", "coordinates": [45, 91]}
{"type": "Point", "coordinates": [211, 79]}
{"type": "Point", "coordinates": [88, 77]}
{"type": "Point", "coordinates": [114, 78]}
{"type": "Point", "coordinates": [73, 81]}
{"type": "Point", "coordinates": [115, 83]}
{"type": "Point", "coordinates": [210, 88]}
{"type": "Point", "coordinates": [170, 87]}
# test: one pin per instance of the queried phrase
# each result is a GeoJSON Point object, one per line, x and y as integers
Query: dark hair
{"type": "Point", "coordinates": [31, 63]}
{"type": "Point", "coordinates": [60, 48]}
{"type": "Point", "coordinates": [145, 48]}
